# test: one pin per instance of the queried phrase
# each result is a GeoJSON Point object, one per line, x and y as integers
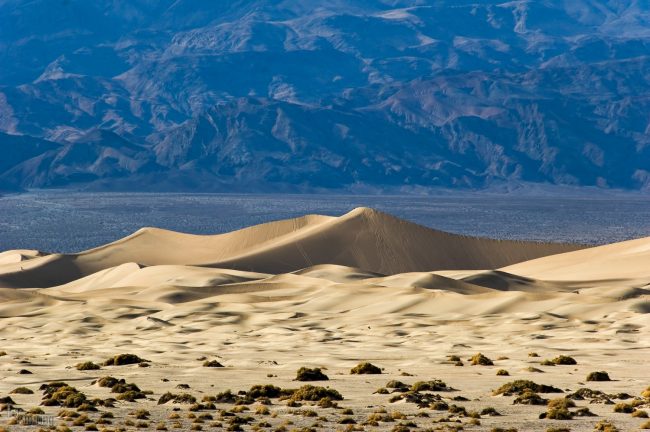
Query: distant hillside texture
{"type": "Point", "coordinates": [311, 95]}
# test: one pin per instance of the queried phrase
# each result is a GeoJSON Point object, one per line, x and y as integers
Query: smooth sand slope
{"type": "Point", "coordinates": [330, 292]}
{"type": "Point", "coordinates": [363, 238]}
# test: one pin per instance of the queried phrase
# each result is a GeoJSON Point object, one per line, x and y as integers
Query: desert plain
{"type": "Point", "coordinates": [217, 327]}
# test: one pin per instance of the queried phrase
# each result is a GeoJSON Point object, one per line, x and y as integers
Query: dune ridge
{"type": "Point", "coordinates": [363, 238]}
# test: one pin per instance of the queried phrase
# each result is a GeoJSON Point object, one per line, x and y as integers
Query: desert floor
{"type": "Point", "coordinates": [325, 293]}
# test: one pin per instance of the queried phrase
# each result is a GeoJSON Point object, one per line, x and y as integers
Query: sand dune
{"type": "Point", "coordinates": [363, 238]}
{"type": "Point", "coordinates": [323, 291]}
{"type": "Point", "coordinates": [624, 260]}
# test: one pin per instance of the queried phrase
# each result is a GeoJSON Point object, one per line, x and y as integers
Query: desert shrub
{"type": "Point", "coordinates": [183, 398]}
{"type": "Point", "coordinates": [646, 425]}
{"type": "Point", "coordinates": [564, 360]}
{"type": "Point", "coordinates": [87, 366]}
{"type": "Point", "coordinates": [597, 396]}
{"type": "Point", "coordinates": [262, 410]}
{"type": "Point", "coordinates": [434, 385]}
{"type": "Point", "coordinates": [21, 390]}
{"type": "Point", "coordinates": [547, 362]}
{"type": "Point", "coordinates": [480, 359]}
{"type": "Point", "coordinates": [395, 384]}
{"type": "Point", "coordinates": [7, 400]}
{"type": "Point", "coordinates": [141, 414]}
{"type": "Point", "coordinates": [457, 410]}
{"type": "Point", "coordinates": [605, 426]}
{"type": "Point", "coordinates": [640, 414]}
{"type": "Point", "coordinates": [307, 374]}
{"type": "Point", "coordinates": [529, 397]}
{"type": "Point", "coordinates": [598, 376]}
{"type": "Point", "coordinates": [61, 394]}
{"type": "Point", "coordinates": [131, 396]}
{"type": "Point", "coordinates": [533, 354]}
{"type": "Point", "coordinates": [561, 403]}
{"type": "Point", "coordinates": [123, 387]}
{"type": "Point", "coordinates": [490, 411]}
{"type": "Point", "coordinates": [212, 364]}
{"type": "Point", "coordinates": [439, 406]}
{"type": "Point", "coordinates": [503, 372]}
{"type": "Point", "coordinates": [314, 393]}
{"type": "Point", "coordinates": [109, 381]}
{"type": "Point", "coordinates": [626, 408]}
{"type": "Point", "coordinates": [646, 393]}
{"type": "Point", "coordinates": [557, 414]}
{"type": "Point", "coordinates": [327, 402]}
{"type": "Point", "coordinates": [518, 387]}
{"type": "Point", "coordinates": [124, 359]}
{"type": "Point", "coordinates": [264, 391]}
{"type": "Point", "coordinates": [36, 411]}
{"type": "Point", "coordinates": [583, 412]}
{"type": "Point", "coordinates": [365, 368]}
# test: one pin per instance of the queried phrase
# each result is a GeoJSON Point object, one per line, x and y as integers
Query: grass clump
{"type": "Point", "coordinates": [22, 390]}
{"type": "Point", "coordinates": [131, 396]}
{"type": "Point", "coordinates": [141, 414]}
{"type": "Point", "coordinates": [557, 414]}
{"type": "Point", "coordinates": [564, 360]}
{"type": "Point", "coordinates": [399, 385]}
{"type": "Point", "coordinates": [490, 411]}
{"type": "Point", "coordinates": [124, 359]}
{"type": "Point", "coordinates": [646, 425]}
{"type": "Point", "coordinates": [314, 393]}
{"type": "Point", "coordinates": [87, 366]}
{"type": "Point", "coordinates": [61, 394]}
{"type": "Point", "coordinates": [265, 391]}
{"type": "Point", "coordinates": [365, 368]}
{"type": "Point", "coordinates": [640, 414]}
{"type": "Point", "coordinates": [503, 372]}
{"type": "Point", "coordinates": [598, 376]}
{"type": "Point", "coordinates": [434, 385]}
{"type": "Point", "coordinates": [109, 381]}
{"type": "Point", "coordinates": [518, 387]}
{"type": "Point", "coordinates": [626, 408]}
{"type": "Point", "coordinates": [307, 374]}
{"type": "Point", "coordinates": [480, 360]}
{"type": "Point", "coordinates": [529, 397]}
{"type": "Point", "coordinates": [605, 426]}
{"type": "Point", "coordinates": [183, 398]}
{"type": "Point", "coordinates": [212, 364]}
{"type": "Point", "coordinates": [646, 393]}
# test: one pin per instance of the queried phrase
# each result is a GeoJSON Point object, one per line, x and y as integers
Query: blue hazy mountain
{"type": "Point", "coordinates": [296, 95]}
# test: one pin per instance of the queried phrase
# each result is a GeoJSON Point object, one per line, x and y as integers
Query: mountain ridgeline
{"type": "Point", "coordinates": [305, 95]}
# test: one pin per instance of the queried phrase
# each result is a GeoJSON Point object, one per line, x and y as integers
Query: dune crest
{"type": "Point", "coordinates": [363, 238]}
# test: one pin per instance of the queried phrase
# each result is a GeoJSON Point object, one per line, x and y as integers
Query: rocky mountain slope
{"type": "Point", "coordinates": [304, 95]}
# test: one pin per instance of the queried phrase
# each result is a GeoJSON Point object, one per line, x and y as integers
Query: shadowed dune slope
{"type": "Point", "coordinates": [363, 238]}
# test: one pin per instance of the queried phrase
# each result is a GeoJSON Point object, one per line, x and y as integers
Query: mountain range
{"type": "Point", "coordinates": [304, 95]}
